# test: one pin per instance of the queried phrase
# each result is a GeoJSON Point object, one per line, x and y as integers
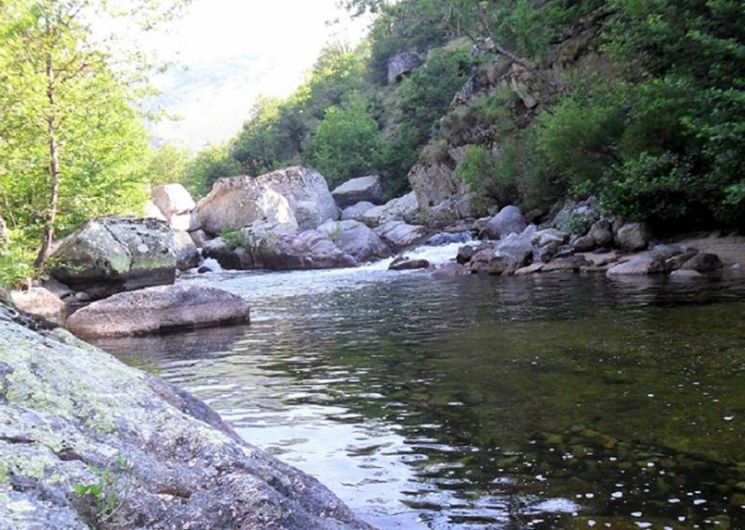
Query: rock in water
{"type": "Point", "coordinates": [113, 254]}
{"type": "Point", "coordinates": [356, 239]}
{"type": "Point", "coordinates": [68, 411]}
{"type": "Point", "coordinates": [157, 310]}
{"type": "Point", "coordinates": [508, 221]}
{"type": "Point", "coordinates": [403, 263]}
{"type": "Point", "coordinates": [361, 189]}
{"type": "Point", "coordinates": [400, 235]}
{"type": "Point", "coordinates": [294, 196]}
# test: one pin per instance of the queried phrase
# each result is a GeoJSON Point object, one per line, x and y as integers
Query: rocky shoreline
{"type": "Point", "coordinates": [87, 442]}
{"type": "Point", "coordinates": [290, 220]}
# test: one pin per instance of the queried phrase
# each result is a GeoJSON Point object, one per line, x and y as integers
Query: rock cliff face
{"type": "Point", "coordinates": [87, 442]}
{"type": "Point", "coordinates": [523, 90]}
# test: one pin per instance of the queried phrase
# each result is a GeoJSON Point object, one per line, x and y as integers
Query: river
{"type": "Point", "coordinates": [542, 402]}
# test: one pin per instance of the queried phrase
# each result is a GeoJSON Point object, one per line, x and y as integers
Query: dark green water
{"type": "Point", "coordinates": [555, 401]}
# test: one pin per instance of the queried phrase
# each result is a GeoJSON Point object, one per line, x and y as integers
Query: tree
{"type": "Point", "coordinates": [209, 165]}
{"type": "Point", "coordinates": [167, 165]}
{"type": "Point", "coordinates": [346, 143]}
{"type": "Point", "coordinates": [72, 137]}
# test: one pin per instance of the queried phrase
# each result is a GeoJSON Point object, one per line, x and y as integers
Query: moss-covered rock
{"type": "Point", "coordinates": [86, 441]}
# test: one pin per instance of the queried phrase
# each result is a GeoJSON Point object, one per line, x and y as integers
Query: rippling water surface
{"type": "Point", "coordinates": [552, 401]}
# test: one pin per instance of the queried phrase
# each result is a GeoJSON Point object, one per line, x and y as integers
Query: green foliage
{"type": "Point", "coordinates": [72, 144]}
{"type": "Point", "coordinates": [207, 167]}
{"type": "Point", "coordinates": [107, 490]}
{"type": "Point", "coordinates": [16, 262]}
{"type": "Point", "coordinates": [235, 239]}
{"type": "Point", "coordinates": [167, 165]}
{"type": "Point", "coordinates": [346, 144]}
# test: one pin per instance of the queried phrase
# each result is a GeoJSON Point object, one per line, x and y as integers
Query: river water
{"type": "Point", "coordinates": [543, 402]}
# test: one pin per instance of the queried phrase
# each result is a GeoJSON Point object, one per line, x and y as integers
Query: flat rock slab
{"type": "Point", "coordinates": [158, 310]}
{"type": "Point", "coordinates": [69, 411]}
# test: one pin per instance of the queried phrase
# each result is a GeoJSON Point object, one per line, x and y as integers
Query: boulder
{"type": "Point", "coordinates": [450, 270]}
{"type": "Point", "coordinates": [529, 269]}
{"type": "Point", "coordinates": [601, 259]}
{"type": "Point", "coordinates": [157, 310]}
{"type": "Point", "coordinates": [550, 235]}
{"type": "Point", "coordinates": [219, 250]}
{"type": "Point", "coordinates": [71, 413]}
{"type": "Point", "coordinates": [40, 302]}
{"type": "Point", "coordinates": [448, 238]}
{"type": "Point", "coordinates": [356, 239]}
{"type": "Point", "coordinates": [357, 211]}
{"type": "Point", "coordinates": [584, 243]}
{"type": "Point", "coordinates": [602, 233]}
{"type": "Point", "coordinates": [187, 253]}
{"type": "Point", "coordinates": [566, 263]}
{"type": "Point", "coordinates": [509, 220]}
{"type": "Point", "coordinates": [465, 253]}
{"type": "Point", "coordinates": [401, 64]}
{"type": "Point", "coordinates": [273, 246]}
{"type": "Point", "coordinates": [403, 263]}
{"type": "Point", "coordinates": [703, 262]}
{"type": "Point", "coordinates": [200, 237]}
{"type": "Point", "coordinates": [639, 264]}
{"type": "Point", "coordinates": [153, 212]}
{"type": "Point", "coordinates": [686, 274]}
{"type": "Point", "coordinates": [172, 199]}
{"type": "Point", "coordinates": [404, 208]}
{"type": "Point", "coordinates": [113, 254]}
{"type": "Point", "coordinates": [452, 209]}
{"type": "Point", "coordinates": [361, 189]}
{"type": "Point", "coordinates": [633, 237]}
{"type": "Point", "coordinates": [399, 235]}
{"type": "Point", "coordinates": [515, 251]}
{"type": "Point", "coordinates": [294, 196]}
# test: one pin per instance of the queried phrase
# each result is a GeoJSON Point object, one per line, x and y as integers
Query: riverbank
{"type": "Point", "coordinates": [87, 442]}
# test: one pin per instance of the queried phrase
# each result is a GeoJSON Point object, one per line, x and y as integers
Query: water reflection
{"type": "Point", "coordinates": [555, 401]}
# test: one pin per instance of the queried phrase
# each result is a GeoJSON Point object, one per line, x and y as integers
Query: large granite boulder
{"type": "Point", "coordinates": [356, 211]}
{"type": "Point", "coordinates": [509, 220]}
{"type": "Point", "coordinates": [404, 208]}
{"type": "Point", "coordinates": [641, 264]}
{"type": "Point", "coordinates": [113, 254]}
{"type": "Point", "coordinates": [176, 204]}
{"type": "Point", "coordinates": [400, 235]}
{"type": "Point", "coordinates": [71, 414]}
{"type": "Point", "coordinates": [633, 237]}
{"type": "Point", "coordinates": [40, 302]}
{"type": "Point", "coordinates": [356, 239]}
{"type": "Point", "coordinates": [294, 196]}
{"type": "Point", "coordinates": [361, 189]}
{"type": "Point", "coordinates": [158, 310]}
{"type": "Point", "coordinates": [403, 63]}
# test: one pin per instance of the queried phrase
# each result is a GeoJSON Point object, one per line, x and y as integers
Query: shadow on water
{"type": "Point", "coordinates": [554, 401]}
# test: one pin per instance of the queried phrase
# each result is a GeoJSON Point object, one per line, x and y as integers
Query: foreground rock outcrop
{"type": "Point", "coordinates": [157, 310]}
{"type": "Point", "coordinates": [76, 423]}
{"type": "Point", "coordinates": [113, 254]}
{"type": "Point", "coordinates": [293, 196]}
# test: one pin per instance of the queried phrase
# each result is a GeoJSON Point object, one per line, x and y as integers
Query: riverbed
{"type": "Point", "coordinates": [541, 402]}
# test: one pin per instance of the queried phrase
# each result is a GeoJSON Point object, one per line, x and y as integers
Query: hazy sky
{"type": "Point", "coordinates": [234, 50]}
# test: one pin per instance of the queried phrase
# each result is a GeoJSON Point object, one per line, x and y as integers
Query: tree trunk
{"type": "Point", "coordinates": [47, 237]}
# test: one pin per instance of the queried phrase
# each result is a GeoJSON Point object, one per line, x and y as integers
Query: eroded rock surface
{"type": "Point", "coordinates": [69, 411]}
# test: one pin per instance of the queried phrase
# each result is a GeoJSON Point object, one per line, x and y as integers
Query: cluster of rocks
{"type": "Point", "coordinates": [289, 220]}
{"type": "Point", "coordinates": [577, 238]}
{"type": "Point", "coordinates": [284, 220]}
{"type": "Point", "coordinates": [87, 442]}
